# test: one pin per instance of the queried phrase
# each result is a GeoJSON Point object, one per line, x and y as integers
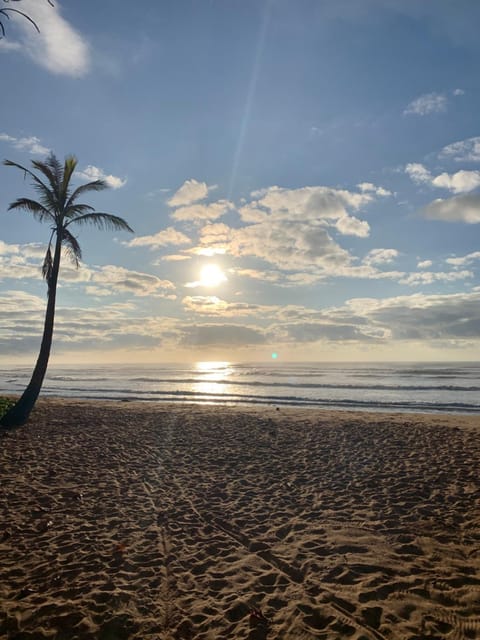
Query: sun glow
{"type": "Point", "coordinates": [211, 275]}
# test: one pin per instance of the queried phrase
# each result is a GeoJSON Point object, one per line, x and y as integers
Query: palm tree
{"type": "Point", "coordinates": [58, 207]}
{"type": "Point", "coordinates": [4, 13]}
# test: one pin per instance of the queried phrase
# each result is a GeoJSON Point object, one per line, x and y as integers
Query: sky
{"type": "Point", "coordinates": [302, 177]}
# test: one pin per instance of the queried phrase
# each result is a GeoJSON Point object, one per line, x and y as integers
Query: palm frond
{"type": "Point", "coordinates": [72, 247]}
{"type": "Point", "coordinates": [102, 221]}
{"type": "Point", "coordinates": [52, 170]}
{"type": "Point", "coordinates": [68, 169]}
{"type": "Point", "coordinates": [39, 212]}
{"type": "Point", "coordinates": [39, 185]}
{"type": "Point", "coordinates": [96, 185]}
{"type": "Point", "coordinates": [47, 266]}
{"type": "Point", "coordinates": [4, 12]}
{"type": "Point", "coordinates": [78, 209]}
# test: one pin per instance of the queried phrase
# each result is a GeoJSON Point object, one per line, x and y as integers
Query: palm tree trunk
{"type": "Point", "coordinates": [19, 413]}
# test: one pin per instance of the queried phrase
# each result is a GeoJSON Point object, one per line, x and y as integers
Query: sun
{"type": "Point", "coordinates": [211, 275]}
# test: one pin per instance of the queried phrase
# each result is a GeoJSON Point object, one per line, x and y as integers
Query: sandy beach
{"type": "Point", "coordinates": [122, 520]}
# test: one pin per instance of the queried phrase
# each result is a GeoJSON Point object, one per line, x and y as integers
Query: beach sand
{"type": "Point", "coordinates": [122, 520]}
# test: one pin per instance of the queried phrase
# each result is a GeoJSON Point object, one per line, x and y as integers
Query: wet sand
{"type": "Point", "coordinates": [122, 520]}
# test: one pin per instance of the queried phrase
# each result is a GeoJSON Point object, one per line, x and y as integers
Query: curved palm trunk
{"type": "Point", "coordinates": [19, 414]}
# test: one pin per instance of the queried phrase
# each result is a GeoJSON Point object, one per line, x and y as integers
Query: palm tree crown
{"type": "Point", "coordinates": [57, 206]}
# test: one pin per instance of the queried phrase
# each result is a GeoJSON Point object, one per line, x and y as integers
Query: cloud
{"type": "Point", "coordinates": [308, 203]}
{"type": "Point", "coordinates": [288, 228]}
{"type": "Point", "coordinates": [92, 173]}
{"type": "Point", "coordinates": [31, 144]}
{"type": "Point", "coordinates": [289, 246]}
{"type": "Point", "coordinates": [191, 191]}
{"type": "Point", "coordinates": [369, 187]}
{"type": "Point", "coordinates": [113, 280]}
{"type": "Point", "coordinates": [213, 306]}
{"type": "Point", "coordinates": [381, 256]}
{"type": "Point", "coordinates": [215, 237]}
{"type": "Point", "coordinates": [465, 208]}
{"type": "Point", "coordinates": [58, 47]}
{"type": "Point", "coordinates": [315, 332]}
{"type": "Point", "coordinates": [418, 173]}
{"type": "Point", "coordinates": [424, 317]}
{"type": "Point", "coordinates": [427, 318]}
{"type": "Point", "coordinates": [112, 326]}
{"type": "Point", "coordinates": [222, 335]}
{"type": "Point", "coordinates": [463, 151]}
{"type": "Point", "coordinates": [8, 45]}
{"type": "Point", "coordinates": [459, 262]}
{"type": "Point", "coordinates": [169, 236]}
{"type": "Point", "coordinates": [275, 277]}
{"type": "Point", "coordinates": [24, 262]}
{"type": "Point", "coordinates": [426, 104]}
{"type": "Point", "coordinates": [428, 277]}
{"type": "Point", "coordinates": [172, 258]}
{"type": "Point", "coordinates": [202, 212]}
{"type": "Point", "coordinates": [459, 182]}
{"type": "Point", "coordinates": [351, 226]}
{"type": "Point", "coordinates": [424, 264]}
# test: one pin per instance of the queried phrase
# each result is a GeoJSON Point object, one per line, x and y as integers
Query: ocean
{"type": "Point", "coordinates": [426, 387]}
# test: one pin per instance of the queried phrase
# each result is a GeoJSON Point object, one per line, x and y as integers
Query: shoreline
{"type": "Point", "coordinates": [265, 403]}
{"type": "Point", "coordinates": [142, 520]}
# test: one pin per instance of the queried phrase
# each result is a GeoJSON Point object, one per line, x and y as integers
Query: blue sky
{"type": "Point", "coordinates": [303, 177]}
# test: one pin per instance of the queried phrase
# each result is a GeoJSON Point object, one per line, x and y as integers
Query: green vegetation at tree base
{"type": "Point", "coordinates": [5, 405]}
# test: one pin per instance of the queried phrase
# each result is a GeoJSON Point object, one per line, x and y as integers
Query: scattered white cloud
{"type": "Point", "coordinates": [381, 256]}
{"type": "Point", "coordinates": [458, 92]}
{"type": "Point", "coordinates": [58, 47]}
{"type": "Point", "coordinates": [369, 187]}
{"type": "Point", "coordinates": [459, 182]}
{"type": "Point", "coordinates": [31, 144]}
{"type": "Point", "coordinates": [91, 173]}
{"type": "Point", "coordinates": [465, 208]}
{"type": "Point", "coordinates": [418, 173]}
{"type": "Point", "coordinates": [463, 151]}
{"type": "Point", "coordinates": [351, 226]}
{"type": "Point", "coordinates": [309, 203]}
{"type": "Point", "coordinates": [214, 306]}
{"type": "Point", "coordinates": [429, 277]}
{"type": "Point", "coordinates": [113, 280]}
{"type": "Point", "coordinates": [463, 260]}
{"type": "Point", "coordinates": [424, 264]}
{"type": "Point", "coordinates": [290, 246]}
{"type": "Point", "coordinates": [426, 104]}
{"type": "Point", "coordinates": [191, 191]}
{"type": "Point", "coordinates": [24, 262]}
{"type": "Point", "coordinates": [206, 251]}
{"type": "Point", "coordinates": [202, 212]}
{"type": "Point", "coordinates": [169, 236]}
{"type": "Point", "coordinates": [271, 276]}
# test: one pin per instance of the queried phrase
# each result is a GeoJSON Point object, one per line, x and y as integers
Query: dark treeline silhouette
{"type": "Point", "coordinates": [57, 206]}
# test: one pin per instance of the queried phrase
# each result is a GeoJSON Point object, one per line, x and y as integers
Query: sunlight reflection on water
{"type": "Point", "coordinates": [211, 376]}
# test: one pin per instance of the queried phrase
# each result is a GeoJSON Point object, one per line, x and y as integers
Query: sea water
{"type": "Point", "coordinates": [445, 387]}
